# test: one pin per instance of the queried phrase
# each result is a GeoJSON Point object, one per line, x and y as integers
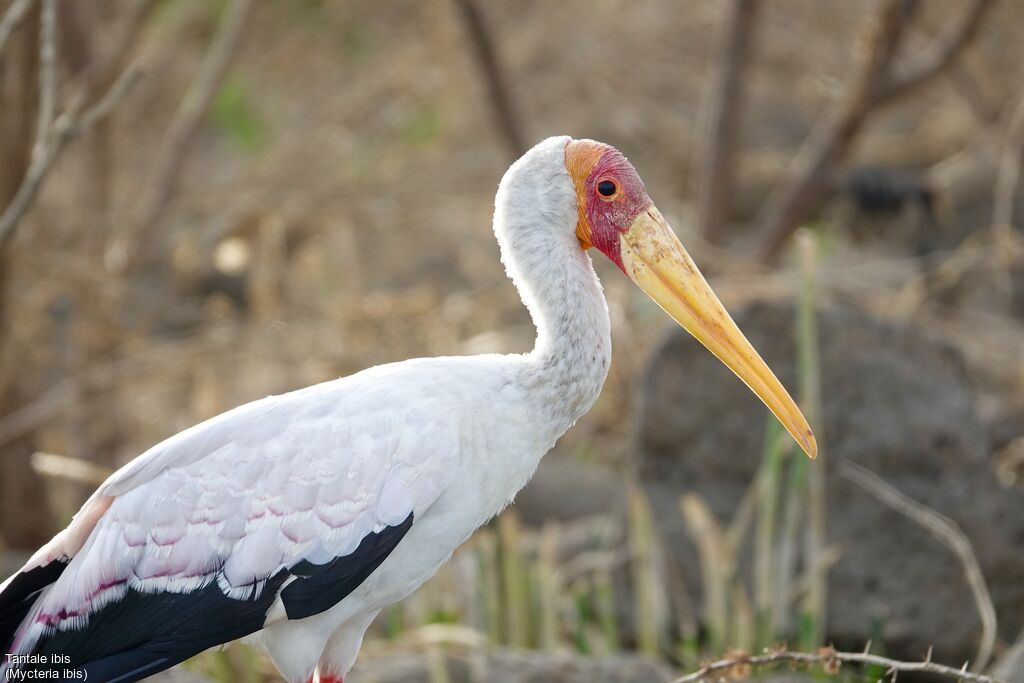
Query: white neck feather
{"type": "Point", "coordinates": [534, 220]}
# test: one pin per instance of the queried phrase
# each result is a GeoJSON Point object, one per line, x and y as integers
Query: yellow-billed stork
{"type": "Point", "coordinates": [297, 518]}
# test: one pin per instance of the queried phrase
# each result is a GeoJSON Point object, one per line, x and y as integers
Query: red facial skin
{"type": "Point", "coordinates": [602, 220]}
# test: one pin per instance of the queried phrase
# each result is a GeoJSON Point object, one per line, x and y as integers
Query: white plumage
{"type": "Point", "coordinates": [247, 502]}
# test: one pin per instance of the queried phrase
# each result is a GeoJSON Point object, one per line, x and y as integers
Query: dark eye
{"type": "Point", "coordinates": [607, 188]}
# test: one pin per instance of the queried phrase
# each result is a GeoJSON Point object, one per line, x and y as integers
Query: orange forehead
{"type": "Point", "coordinates": [580, 158]}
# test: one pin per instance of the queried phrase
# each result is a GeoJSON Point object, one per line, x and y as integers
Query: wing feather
{"type": "Point", "coordinates": [316, 486]}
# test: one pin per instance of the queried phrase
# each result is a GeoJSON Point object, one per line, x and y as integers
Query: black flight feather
{"type": "Point", "coordinates": [144, 633]}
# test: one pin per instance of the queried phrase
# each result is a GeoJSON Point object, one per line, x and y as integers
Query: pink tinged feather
{"type": "Point", "coordinates": [190, 565]}
{"type": "Point", "coordinates": [134, 535]}
{"type": "Point", "coordinates": [232, 529]}
{"type": "Point", "coordinates": [86, 586]}
{"type": "Point", "coordinates": [246, 474]}
{"type": "Point", "coordinates": [298, 530]}
{"type": "Point", "coordinates": [339, 515]}
{"type": "Point", "coordinates": [169, 534]}
{"type": "Point", "coordinates": [300, 497]}
{"type": "Point", "coordinates": [362, 484]}
{"type": "Point", "coordinates": [158, 513]}
{"type": "Point", "coordinates": [334, 491]}
{"type": "Point", "coordinates": [254, 558]}
{"type": "Point", "coordinates": [257, 509]}
{"type": "Point", "coordinates": [213, 506]}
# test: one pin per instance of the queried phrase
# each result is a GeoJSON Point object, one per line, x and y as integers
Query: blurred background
{"type": "Point", "coordinates": [205, 202]}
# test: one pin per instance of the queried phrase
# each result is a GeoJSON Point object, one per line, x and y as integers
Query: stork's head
{"type": "Point", "coordinates": [615, 216]}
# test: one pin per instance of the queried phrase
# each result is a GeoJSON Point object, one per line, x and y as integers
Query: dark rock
{"type": "Point", "coordinates": [507, 666]}
{"type": "Point", "coordinates": [896, 402]}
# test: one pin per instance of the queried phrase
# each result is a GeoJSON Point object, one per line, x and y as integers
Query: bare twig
{"type": "Point", "coordinates": [14, 15]}
{"type": "Point", "coordinates": [975, 90]}
{"type": "Point", "coordinates": [830, 659]}
{"type": "Point", "coordinates": [490, 66]}
{"type": "Point", "coordinates": [174, 147]}
{"type": "Point", "coordinates": [939, 58]}
{"type": "Point", "coordinates": [113, 62]}
{"type": "Point", "coordinates": [946, 532]}
{"type": "Point", "coordinates": [69, 125]}
{"type": "Point", "coordinates": [105, 105]}
{"type": "Point", "coordinates": [47, 75]}
{"type": "Point", "coordinates": [100, 66]}
{"type": "Point", "coordinates": [52, 136]}
{"type": "Point", "coordinates": [792, 202]}
{"type": "Point", "coordinates": [877, 81]}
{"type": "Point", "coordinates": [95, 62]}
{"type": "Point", "coordinates": [1009, 169]}
{"type": "Point", "coordinates": [724, 114]}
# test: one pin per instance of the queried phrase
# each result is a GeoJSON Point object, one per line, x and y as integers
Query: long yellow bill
{"type": "Point", "coordinates": [657, 262]}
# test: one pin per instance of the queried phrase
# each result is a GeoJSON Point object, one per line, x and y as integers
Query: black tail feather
{"type": "Point", "coordinates": [141, 634]}
{"type": "Point", "coordinates": [17, 599]}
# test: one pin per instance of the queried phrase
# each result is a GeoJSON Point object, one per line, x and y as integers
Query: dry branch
{"type": "Point", "coordinates": [100, 67]}
{"type": "Point", "coordinates": [114, 61]}
{"type": "Point", "coordinates": [47, 74]}
{"type": "Point", "coordinates": [724, 117]}
{"type": "Point", "coordinates": [51, 136]}
{"type": "Point", "coordinates": [877, 81]}
{"type": "Point", "coordinates": [939, 58]}
{"type": "Point", "coordinates": [793, 202]}
{"type": "Point", "coordinates": [69, 125]}
{"type": "Point", "coordinates": [174, 147]}
{"type": "Point", "coordinates": [831, 659]}
{"type": "Point", "coordinates": [975, 91]}
{"type": "Point", "coordinates": [94, 56]}
{"type": "Point", "coordinates": [493, 73]}
{"type": "Point", "coordinates": [106, 87]}
{"type": "Point", "coordinates": [12, 18]}
{"type": "Point", "coordinates": [1009, 169]}
{"type": "Point", "coordinates": [949, 534]}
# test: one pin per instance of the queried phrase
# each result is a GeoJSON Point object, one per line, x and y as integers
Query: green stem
{"type": "Point", "coordinates": [813, 605]}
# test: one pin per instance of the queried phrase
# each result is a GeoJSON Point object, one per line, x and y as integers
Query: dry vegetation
{"type": "Point", "coordinates": [207, 202]}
